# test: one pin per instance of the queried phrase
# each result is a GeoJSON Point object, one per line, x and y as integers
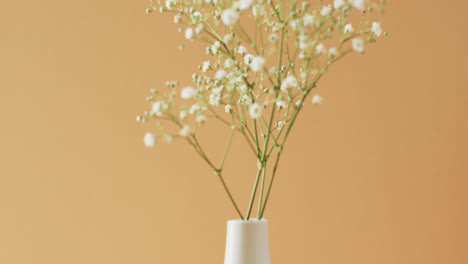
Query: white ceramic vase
{"type": "Point", "coordinates": [247, 242]}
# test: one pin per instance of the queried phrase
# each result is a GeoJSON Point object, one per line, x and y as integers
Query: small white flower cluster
{"type": "Point", "coordinates": [248, 76]}
{"type": "Point", "coordinates": [255, 80]}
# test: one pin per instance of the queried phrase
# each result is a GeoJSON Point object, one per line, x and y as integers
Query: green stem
{"type": "Point", "coordinates": [261, 194]}
{"type": "Point", "coordinates": [254, 192]}
{"type": "Point", "coordinates": [229, 194]}
{"type": "Point", "coordinates": [199, 150]}
{"type": "Point", "coordinates": [270, 184]}
{"type": "Point", "coordinates": [226, 149]}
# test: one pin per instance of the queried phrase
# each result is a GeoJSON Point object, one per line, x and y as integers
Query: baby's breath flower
{"type": "Point", "coordinates": [308, 19]}
{"type": "Point", "coordinates": [255, 111]}
{"type": "Point", "coordinates": [243, 89]}
{"type": "Point", "coordinates": [215, 47]}
{"type": "Point", "coordinates": [288, 83]}
{"type": "Point", "coordinates": [220, 74]}
{"type": "Point", "coordinates": [149, 140]}
{"type": "Point", "coordinates": [257, 64]}
{"type": "Point", "coordinates": [303, 41]}
{"type": "Point", "coordinates": [338, 4]}
{"type": "Point", "coordinates": [295, 24]}
{"type": "Point", "coordinates": [358, 45]}
{"type": "Point", "coordinates": [228, 63]}
{"type": "Point", "coordinates": [188, 33]}
{"type": "Point", "coordinates": [199, 28]}
{"type": "Point", "coordinates": [279, 125]}
{"type": "Point", "coordinates": [357, 3]}
{"type": "Point", "coordinates": [245, 100]}
{"type": "Point", "coordinates": [206, 66]}
{"type": "Point", "coordinates": [258, 10]}
{"type": "Point", "coordinates": [215, 96]}
{"type": "Point", "coordinates": [248, 59]}
{"type": "Point", "coordinates": [187, 93]}
{"type": "Point", "coordinates": [245, 4]}
{"type": "Point", "coordinates": [194, 109]}
{"type": "Point", "coordinates": [185, 131]}
{"type": "Point", "coordinates": [159, 107]}
{"type": "Point", "coordinates": [196, 16]}
{"type": "Point", "coordinates": [281, 104]}
{"type": "Point", "coordinates": [183, 114]}
{"type": "Point", "coordinates": [348, 29]}
{"type": "Point", "coordinates": [273, 38]}
{"type": "Point", "coordinates": [242, 50]}
{"type": "Point", "coordinates": [177, 19]}
{"type": "Point", "coordinates": [229, 17]}
{"type": "Point", "coordinates": [227, 38]}
{"type": "Point", "coordinates": [200, 119]}
{"type": "Point", "coordinates": [235, 5]}
{"type": "Point", "coordinates": [170, 4]}
{"type": "Point", "coordinates": [376, 29]}
{"type": "Point", "coordinates": [317, 99]}
{"type": "Point", "coordinates": [326, 10]}
{"type": "Point", "coordinates": [320, 48]}
{"type": "Point", "coordinates": [236, 80]}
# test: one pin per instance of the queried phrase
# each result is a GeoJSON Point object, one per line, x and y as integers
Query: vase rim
{"type": "Point", "coordinates": [250, 221]}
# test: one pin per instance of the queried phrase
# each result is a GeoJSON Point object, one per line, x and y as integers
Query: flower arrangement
{"type": "Point", "coordinates": [256, 81]}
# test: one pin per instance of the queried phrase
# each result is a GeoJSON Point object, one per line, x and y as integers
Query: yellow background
{"type": "Point", "coordinates": [377, 174]}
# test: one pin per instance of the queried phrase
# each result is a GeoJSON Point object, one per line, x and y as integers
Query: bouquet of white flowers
{"type": "Point", "coordinates": [265, 58]}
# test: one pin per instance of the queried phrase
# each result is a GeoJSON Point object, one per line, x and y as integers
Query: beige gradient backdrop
{"type": "Point", "coordinates": [377, 174]}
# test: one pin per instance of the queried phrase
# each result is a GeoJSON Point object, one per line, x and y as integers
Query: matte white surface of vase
{"type": "Point", "coordinates": [247, 242]}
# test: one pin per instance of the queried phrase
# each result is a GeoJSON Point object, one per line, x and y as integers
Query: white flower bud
{"type": "Point", "coordinates": [255, 111]}
{"type": "Point", "coordinates": [206, 66]}
{"type": "Point", "coordinates": [326, 10]}
{"type": "Point", "coordinates": [317, 99]}
{"type": "Point", "coordinates": [281, 104]}
{"type": "Point", "coordinates": [187, 93]}
{"type": "Point", "coordinates": [257, 64]}
{"type": "Point", "coordinates": [248, 59]}
{"type": "Point", "coordinates": [185, 131]}
{"type": "Point", "coordinates": [170, 4]}
{"type": "Point", "coordinates": [177, 19]}
{"type": "Point", "coordinates": [245, 4]}
{"type": "Point", "coordinates": [358, 45]}
{"type": "Point", "coordinates": [220, 74]}
{"type": "Point", "coordinates": [288, 83]}
{"type": "Point", "coordinates": [188, 33]}
{"type": "Point", "coordinates": [308, 19]}
{"type": "Point", "coordinates": [200, 119]}
{"type": "Point", "coordinates": [149, 140]}
{"type": "Point", "coordinates": [376, 29]}
{"type": "Point", "coordinates": [348, 29]}
{"type": "Point", "coordinates": [229, 17]}
{"type": "Point", "coordinates": [183, 114]}
{"type": "Point", "coordinates": [357, 3]}
{"type": "Point", "coordinates": [320, 49]}
{"type": "Point", "coordinates": [338, 4]}
{"type": "Point", "coordinates": [228, 63]}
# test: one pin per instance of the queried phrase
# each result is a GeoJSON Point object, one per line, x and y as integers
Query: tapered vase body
{"type": "Point", "coordinates": [247, 242]}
